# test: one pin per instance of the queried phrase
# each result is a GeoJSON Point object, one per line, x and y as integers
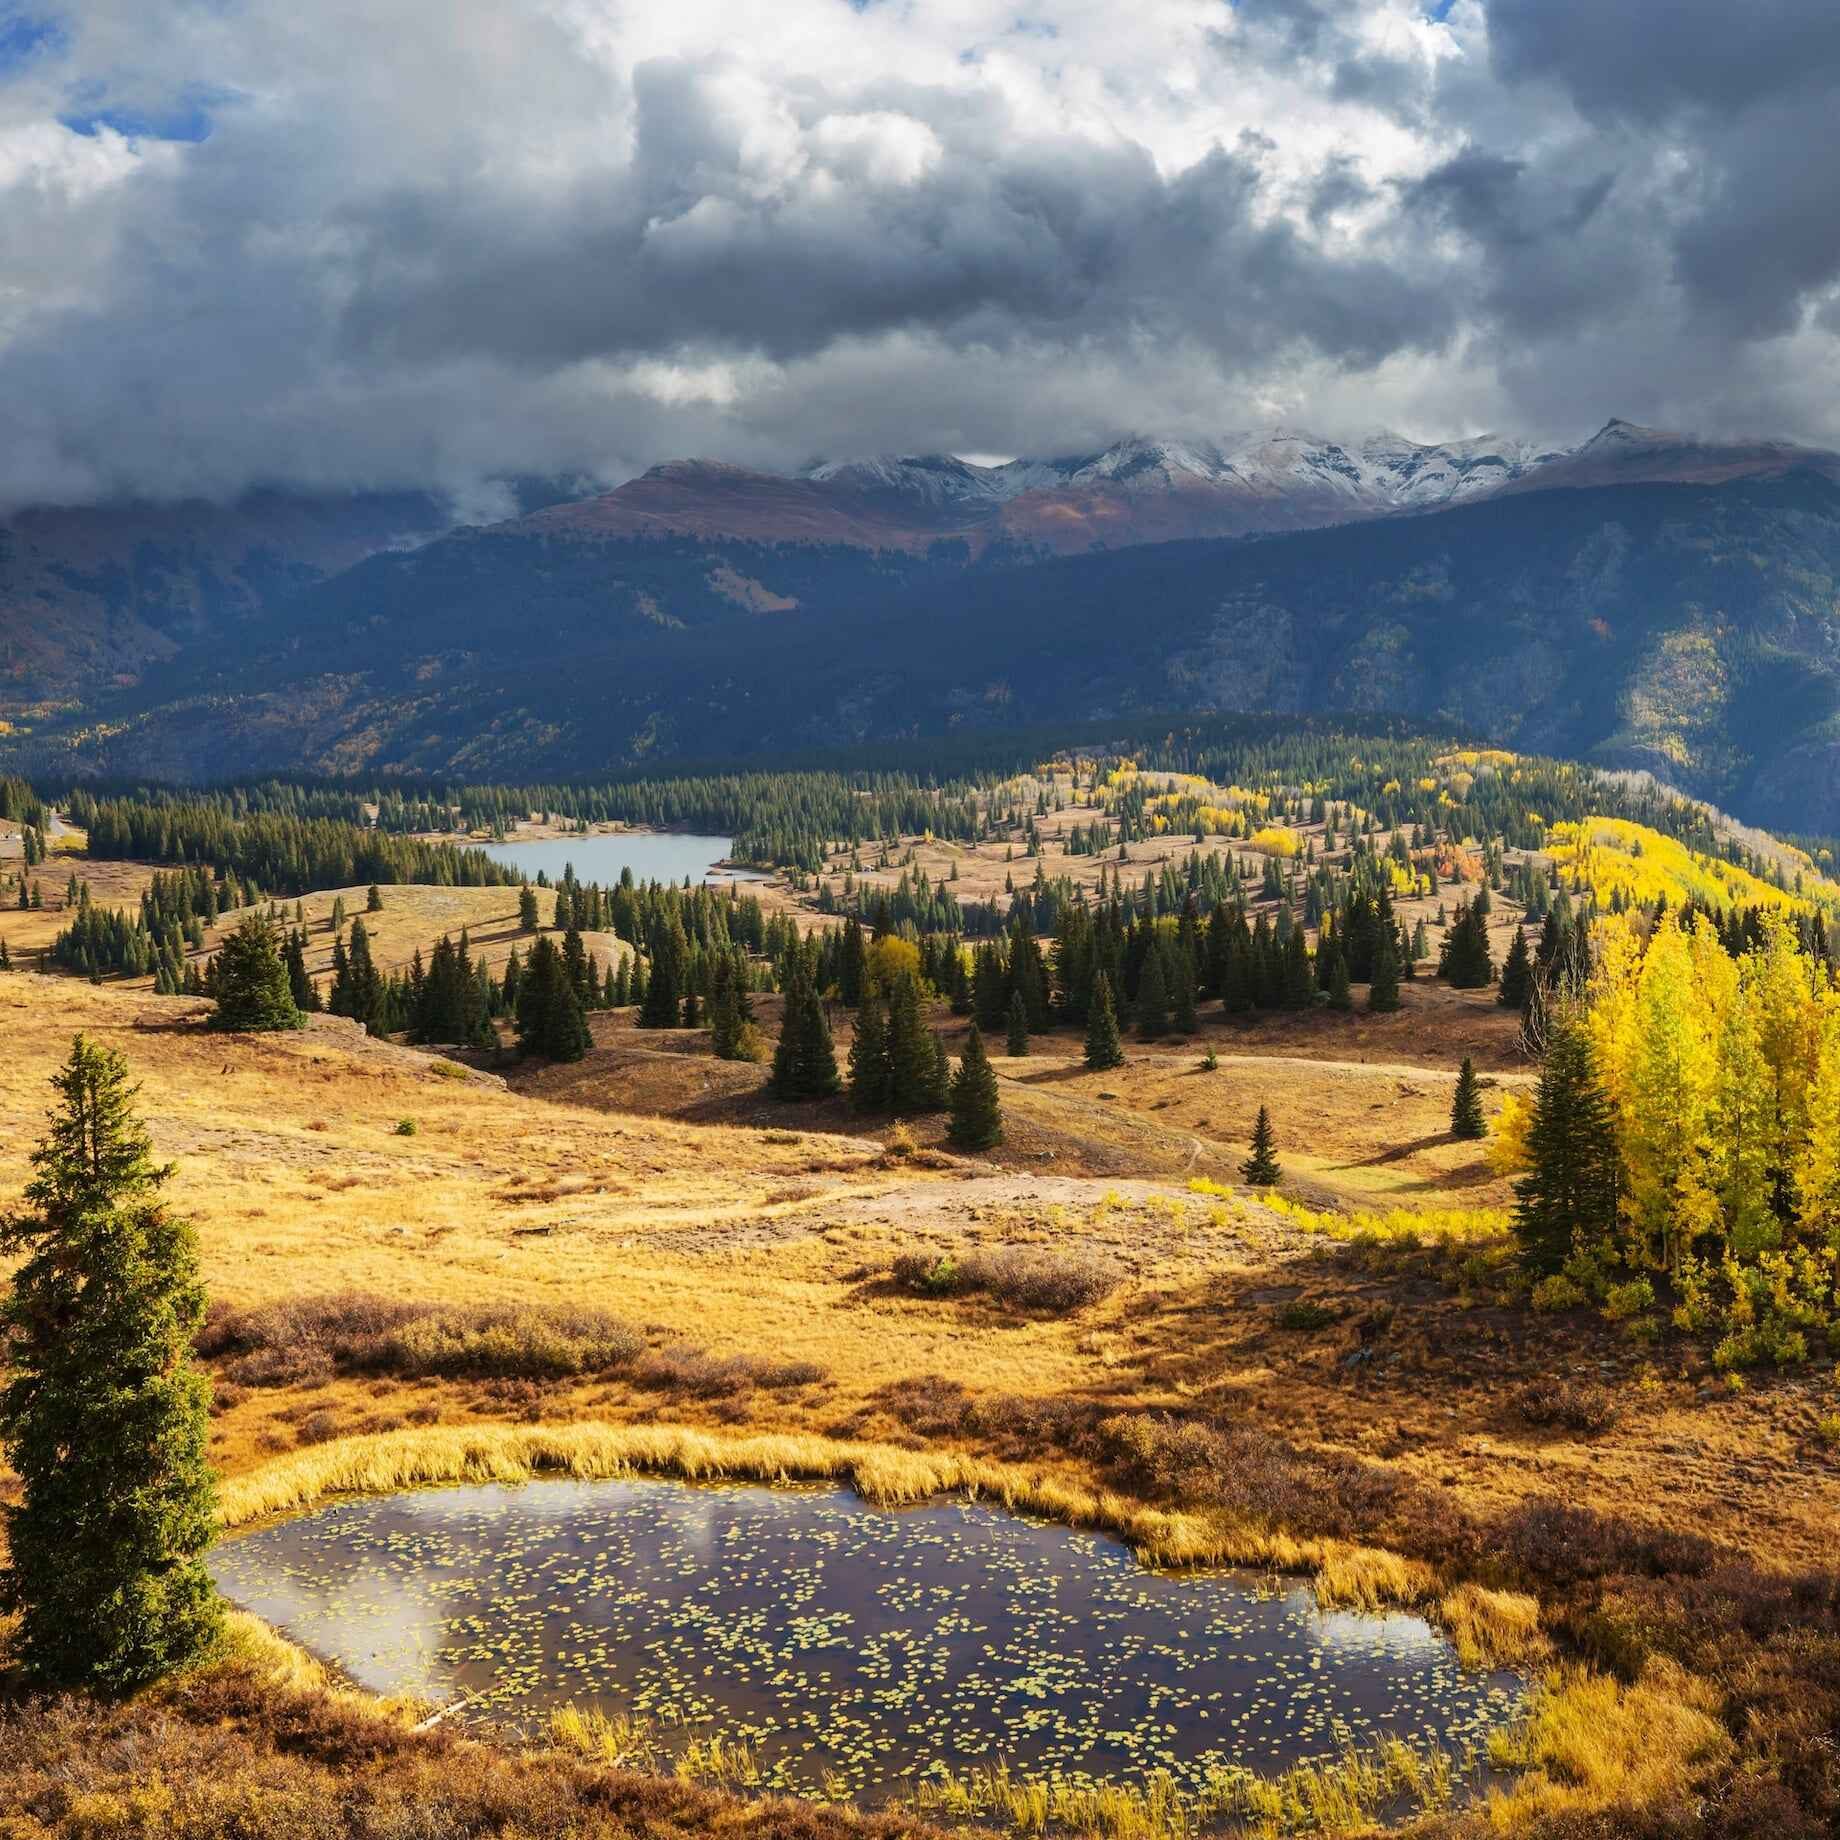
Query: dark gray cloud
{"type": "Point", "coordinates": [428, 240]}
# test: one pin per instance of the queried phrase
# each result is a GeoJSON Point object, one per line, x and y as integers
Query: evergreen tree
{"type": "Point", "coordinates": [1383, 991]}
{"type": "Point", "coordinates": [549, 1018]}
{"type": "Point", "coordinates": [1341, 996]}
{"type": "Point", "coordinates": [1182, 1007]}
{"type": "Point", "coordinates": [1153, 997]}
{"type": "Point", "coordinates": [1466, 1119]}
{"type": "Point", "coordinates": [1261, 1167]}
{"type": "Point", "coordinates": [1516, 973]}
{"type": "Point", "coordinates": [528, 919]}
{"type": "Point", "coordinates": [300, 984]}
{"type": "Point", "coordinates": [1018, 1042]}
{"type": "Point", "coordinates": [1464, 961]}
{"type": "Point", "coordinates": [976, 1112]}
{"type": "Point", "coordinates": [1103, 1047]}
{"type": "Point", "coordinates": [911, 1070]}
{"type": "Point", "coordinates": [939, 1082]}
{"type": "Point", "coordinates": [805, 1060]}
{"type": "Point", "coordinates": [373, 900]}
{"type": "Point", "coordinates": [725, 1012]}
{"type": "Point", "coordinates": [1299, 978]}
{"type": "Point", "coordinates": [1569, 1190]}
{"type": "Point", "coordinates": [871, 1078]}
{"type": "Point", "coordinates": [253, 991]}
{"type": "Point", "coordinates": [104, 1418]}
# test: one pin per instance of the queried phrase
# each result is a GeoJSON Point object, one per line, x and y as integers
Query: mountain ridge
{"type": "Point", "coordinates": [1142, 488]}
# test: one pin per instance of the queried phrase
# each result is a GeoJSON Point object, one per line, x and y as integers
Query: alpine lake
{"type": "Point", "coordinates": [601, 856]}
{"type": "Point", "coordinates": [856, 1650]}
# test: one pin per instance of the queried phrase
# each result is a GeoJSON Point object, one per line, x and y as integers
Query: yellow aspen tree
{"type": "Point", "coordinates": [1817, 1168]}
{"type": "Point", "coordinates": [1611, 1023]}
{"type": "Point", "coordinates": [1673, 1072]}
{"type": "Point", "coordinates": [1744, 1107]}
{"type": "Point", "coordinates": [1781, 990]}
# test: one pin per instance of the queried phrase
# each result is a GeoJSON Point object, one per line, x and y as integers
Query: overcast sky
{"type": "Point", "coordinates": [376, 242]}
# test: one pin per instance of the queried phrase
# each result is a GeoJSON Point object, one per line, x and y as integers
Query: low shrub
{"type": "Point", "coordinates": [1557, 1293]}
{"type": "Point", "coordinates": [1025, 1276]}
{"type": "Point", "coordinates": [1305, 1313]}
{"type": "Point", "coordinates": [1576, 1405]}
{"type": "Point", "coordinates": [354, 1332]}
{"type": "Point", "coordinates": [529, 1342]}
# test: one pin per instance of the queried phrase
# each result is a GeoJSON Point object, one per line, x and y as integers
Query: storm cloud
{"type": "Point", "coordinates": [425, 242]}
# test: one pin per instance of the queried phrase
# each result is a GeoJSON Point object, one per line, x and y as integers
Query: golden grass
{"type": "Point", "coordinates": [1589, 1743]}
{"type": "Point", "coordinates": [881, 1473]}
{"type": "Point", "coordinates": [1340, 1796]}
{"type": "Point", "coordinates": [1490, 1628]}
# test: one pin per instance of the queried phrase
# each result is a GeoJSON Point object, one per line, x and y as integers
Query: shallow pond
{"type": "Point", "coordinates": [652, 856]}
{"type": "Point", "coordinates": [840, 1636]}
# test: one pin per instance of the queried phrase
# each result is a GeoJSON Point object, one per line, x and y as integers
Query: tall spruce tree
{"type": "Point", "coordinates": [976, 1111]}
{"type": "Point", "coordinates": [1153, 996]}
{"type": "Point", "coordinates": [104, 1417]}
{"type": "Point", "coordinates": [805, 1060]}
{"type": "Point", "coordinates": [912, 1073]}
{"type": "Point", "coordinates": [253, 992]}
{"type": "Point", "coordinates": [724, 1011]}
{"type": "Point", "coordinates": [1516, 973]}
{"type": "Point", "coordinates": [1464, 961]}
{"type": "Point", "coordinates": [1569, 1190]}
{"type": "Point", "coordinates": [1104, 1049]}
{"type": "Point", "coordinates": [1261, 1167]}
{"type": "Point", "coordinates": [1017, 1044]}
{"type": "Point", "coordinates": [1383, 990]}
{"type": "Point", "coordinates": [1299, 977]}
{"type": "Point", "coordinates": [871, 1078]}
{"type": "Point", "coordinates": [1466, 1120]}
{"type": "Point", "coordinates": [549, 1018]}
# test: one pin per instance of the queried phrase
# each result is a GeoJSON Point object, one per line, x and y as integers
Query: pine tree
{"type": "Point", "coordinates": [104, 1418]}
{"type": "Point", "coordinates": [373, 900]}
{"type": "Point", "coordinates": [1466, 1104]}
{"type": "Point", "coordinates": [1341, 996]}
{"type": "Point", "coordinates": [1383, 991]}
{"type": "Point", "coordinates": [1182, 1007]}
{"type": "Point", "coordinates": [871, 1078]}
{"type": "Point", "coordinates": [1569, 1190]}
{"type": "Point", "coordinates": [1152, 997]}
{"type": "Point", "coordinates": [725, 1012]}
{"type": "Point", "coordinates": [939, 1081]}
{"type": "Point", "coordinates": [976, 1111]}
{"type": "Point", "coordinates": [911, 1070]}
{"type": "Point", "coordinates": [1103, 1047]}
{"type": "Point", "coordinates": [528, 919]}
{"type": "Point", "coordinates": [1018, 1042]}
{"type": "Point", "coordinates": [549, 1018]}
{"type": "Point", "coordinates": [1464, 961]}
{"type": "Point", "coordinates": [805, 1061]}
{"type": "Point", "coordinates": [1516, 973]}
{"type": "Point", "coordinates": [1261, 1167]}
{"type": "Point", "coordinates": [253, 992]}
{"type": "Point", "coordinates": [1299, 978]}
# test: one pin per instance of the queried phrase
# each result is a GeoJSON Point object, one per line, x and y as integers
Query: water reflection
{"type": "Point", "coordinates": [662, 857]}
{"type": "Point", "coordinates": [840, 1636]}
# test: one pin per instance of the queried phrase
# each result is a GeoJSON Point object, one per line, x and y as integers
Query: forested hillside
{"type": "Point", "coordinates": [1688, 628]}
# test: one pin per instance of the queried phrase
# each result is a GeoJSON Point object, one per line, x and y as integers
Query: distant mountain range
{"type": "Point", "coordinates": [1641, 599]}
{"type": "Point", "coordinates": [1140, 490]}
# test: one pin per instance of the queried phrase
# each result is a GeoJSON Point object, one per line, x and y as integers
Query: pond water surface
{"type": "Point", "coordinates": [652, 856]}
{"type": "Point", "coordinates": [838, 1636]}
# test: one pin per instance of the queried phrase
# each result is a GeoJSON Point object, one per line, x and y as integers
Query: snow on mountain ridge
{"type": "Point", "coordinates": [1385, 471]}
